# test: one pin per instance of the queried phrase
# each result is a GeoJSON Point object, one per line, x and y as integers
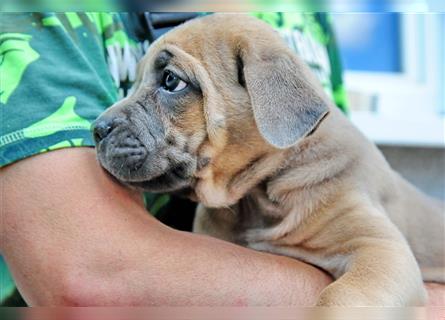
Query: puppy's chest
{"type": "Point", "coordinates": [256, 212]}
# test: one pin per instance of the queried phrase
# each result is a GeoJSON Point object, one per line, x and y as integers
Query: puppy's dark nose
{"type": "Point", "coordinates": [101, 129]}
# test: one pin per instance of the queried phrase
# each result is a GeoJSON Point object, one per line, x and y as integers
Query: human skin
{"type": "Point", "coordinates": [73, 236]}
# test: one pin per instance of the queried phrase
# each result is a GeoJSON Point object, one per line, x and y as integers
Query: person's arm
{"type": "Point", "coordinates": [72, 236]}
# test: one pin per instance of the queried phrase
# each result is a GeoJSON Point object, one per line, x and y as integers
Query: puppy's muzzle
{"type": "Point", "coordinates": [142, 158]}
{"type": "Point", "coordinates": [127, 148]}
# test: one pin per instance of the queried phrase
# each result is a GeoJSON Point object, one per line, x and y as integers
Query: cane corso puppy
{"type": "Point", "coordinates": [225, 112]}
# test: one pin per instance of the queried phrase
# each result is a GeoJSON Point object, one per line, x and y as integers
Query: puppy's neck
{"type": "Point", "coordinates": [286, 174]}
{"type": "Point", "coordinates": [289, 192]}
{"type": "Point", "coordinates": [301, 186]}
{"type": "Point", "coordinates": [229, 189]}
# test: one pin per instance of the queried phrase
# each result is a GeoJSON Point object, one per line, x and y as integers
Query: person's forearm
{"type": "Point", "coordinates": [184, 269]}
{"type": "Point", "coordinates": [177, 268]}
{"type": "Point", "coordinates": [73, 236]}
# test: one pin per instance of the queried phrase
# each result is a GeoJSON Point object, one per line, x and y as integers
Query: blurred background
{"type": "Point", "coordinates": [394, 73]}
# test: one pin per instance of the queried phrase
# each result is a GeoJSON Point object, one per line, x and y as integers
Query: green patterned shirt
{"type": "Point", "coordinates": [58, 73]}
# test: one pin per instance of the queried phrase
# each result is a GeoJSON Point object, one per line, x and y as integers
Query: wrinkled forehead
{"type": "Point", "coordinates": [195, 38]}
{"type": "Point", "coordinates": [212, 33]}
{"type": "Point", "coordinates": [212, 41]}
{"type": "Point", "coordinates": [186, 49]}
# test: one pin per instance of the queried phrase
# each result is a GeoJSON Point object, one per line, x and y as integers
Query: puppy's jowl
{"type": "Point", "coordinates": [233, 118]}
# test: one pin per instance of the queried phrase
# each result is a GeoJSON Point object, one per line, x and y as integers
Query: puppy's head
{"type": "Point", "coordinates": [213, 97]}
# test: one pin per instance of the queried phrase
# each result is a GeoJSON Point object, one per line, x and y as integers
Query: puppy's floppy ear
{"type": "Point", "coordinates": [286, 102]}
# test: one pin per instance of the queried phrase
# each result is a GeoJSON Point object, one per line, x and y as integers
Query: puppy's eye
{"type": "Point", "coordinates": [172, 83]}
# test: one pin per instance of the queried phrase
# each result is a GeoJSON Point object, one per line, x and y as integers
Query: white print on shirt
{"type": "Point", "coordinates": [312, 52]}
{"type": "Point", "coordinates": [122, 62]}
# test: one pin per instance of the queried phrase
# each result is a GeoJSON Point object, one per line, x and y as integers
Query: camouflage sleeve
{"type": "Point", "coordinates": [55, 79]}
{"type": "Point", "coordinates": [58, 72]}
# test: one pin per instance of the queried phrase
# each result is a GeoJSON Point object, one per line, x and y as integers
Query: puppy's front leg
{"type": "Point", "coordinates": [380, 272]}
{"type": "Point", "coordinates": [365, 252]}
